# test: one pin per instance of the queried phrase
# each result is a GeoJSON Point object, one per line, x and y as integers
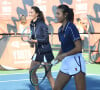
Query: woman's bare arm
{"type": "Point", "coordinates": [77, 49]}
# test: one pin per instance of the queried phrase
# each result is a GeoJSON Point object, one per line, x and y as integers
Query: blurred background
{"type": "Point", "coordinates": [15, 54]}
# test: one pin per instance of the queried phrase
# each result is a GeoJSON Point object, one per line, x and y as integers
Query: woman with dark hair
{"type": "Point", "coordinates": [70, 54]}
{"type": "Point", "coordinates": [43, 51]}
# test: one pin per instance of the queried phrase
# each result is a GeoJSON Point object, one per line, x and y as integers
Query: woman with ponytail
{"type": "Point", "coordinates": [41, 39]}
{"type": "Point", "coordinates": [70, 54]}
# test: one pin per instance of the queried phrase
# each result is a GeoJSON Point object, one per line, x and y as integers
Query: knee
{"type": "Point", "coordinates": [80, 88]}
{"type": "Point", "coordinates": [56, 88]}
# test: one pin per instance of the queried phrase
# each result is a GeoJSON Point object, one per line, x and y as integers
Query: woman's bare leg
{"type": "Point", "coordinates": [33, 63]}
{"type": "Point", "coordinates": [80, 81]}
{"type": "Point", "coordinates": [50, 77]}
{"type": "Point", "coordinates": [61, 81]}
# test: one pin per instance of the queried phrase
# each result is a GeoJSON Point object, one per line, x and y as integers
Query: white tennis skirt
{"type": "Point", "coordinates": [72, 65]}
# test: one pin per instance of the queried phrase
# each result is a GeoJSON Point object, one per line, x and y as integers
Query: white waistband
{"type": "Point", "coordinates": [78, 54]}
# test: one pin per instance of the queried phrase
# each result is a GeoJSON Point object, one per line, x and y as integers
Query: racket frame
{"type": "Point", "coordinates": [46, 73]}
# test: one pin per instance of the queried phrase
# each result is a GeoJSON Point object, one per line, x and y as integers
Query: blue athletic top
{"type": "Point", "coordinates": [68, 36]}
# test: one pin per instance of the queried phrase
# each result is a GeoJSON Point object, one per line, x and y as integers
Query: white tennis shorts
{"type": "Point", "coordinates": [73, 64]}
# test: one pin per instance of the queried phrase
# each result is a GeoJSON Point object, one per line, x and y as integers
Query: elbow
{"type": "Point", "coordinates": [78, 49]}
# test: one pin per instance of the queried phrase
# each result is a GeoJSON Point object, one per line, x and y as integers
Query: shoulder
{"type": "Point", "coordinates": [42, 24]}
{"type": "Point", "coordinates": [73, 31]}
{"type": "Point", "coordinates": [72, 26]}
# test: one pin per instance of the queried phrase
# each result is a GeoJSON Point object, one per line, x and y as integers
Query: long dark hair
{"type": "Point", "coordinates": [40, 13]}
{"type": "Point", "coordinates": [66, 9]}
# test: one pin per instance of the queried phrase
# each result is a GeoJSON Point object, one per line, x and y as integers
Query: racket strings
{"type": "Point", "coordinates": [42, 71]}
{"type": "Point", "coordinates": [38, 76]}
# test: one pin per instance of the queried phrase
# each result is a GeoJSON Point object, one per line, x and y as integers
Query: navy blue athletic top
{"type": "Point", "coordinates": [68, 36]}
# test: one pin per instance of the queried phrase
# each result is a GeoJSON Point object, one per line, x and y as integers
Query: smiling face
{"type": "Point", "coordinates": [61, 17]}
{"type": "Point", "coordinates": [33, 14]}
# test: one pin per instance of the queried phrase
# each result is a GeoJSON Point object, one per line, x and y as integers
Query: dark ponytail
{"type": "Point", "coordinates": [40, 13]}
{"type": "Point", "coordinates": [71, 15]}
{"type": "Point", "coordinates": [66, 9]}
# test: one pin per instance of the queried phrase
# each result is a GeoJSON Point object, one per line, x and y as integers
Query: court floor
{"type": "Point", "coordinates": [21, 82]}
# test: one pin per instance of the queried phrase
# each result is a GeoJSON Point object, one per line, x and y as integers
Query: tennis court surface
{"type": "Point", "coordinates": [19, 80]}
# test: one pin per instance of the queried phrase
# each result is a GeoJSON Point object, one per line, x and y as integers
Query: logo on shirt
{"type": "Point", "coordinates": [75, 69]}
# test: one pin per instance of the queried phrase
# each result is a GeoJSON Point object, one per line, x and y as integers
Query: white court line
{"type": "Point", "coordinates": [40, 72]}
{"type": "Point", "coordinates": [14, 74]}
{"type": "Point", "coordinates": [92, 74]}
{"type": "Point", "coordinates": [25, 73]}
{"type": "Point", "coordinates": [14, 80]}
{"type": "Point", "coordinates": [17, 80]}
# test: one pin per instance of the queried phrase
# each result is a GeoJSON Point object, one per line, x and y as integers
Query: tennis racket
{"type": "Point", "coordinates": [26, 34]}
{"type": "Point", "coordinates": [41, 72]}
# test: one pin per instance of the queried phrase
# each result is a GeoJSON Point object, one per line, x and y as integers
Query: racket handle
{"type": "Point", "coordinates": [54, 62]}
